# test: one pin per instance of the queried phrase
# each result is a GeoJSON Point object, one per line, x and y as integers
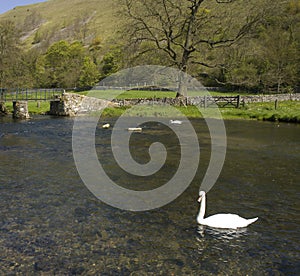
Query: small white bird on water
{"type": "Point", "coordinates": [227, 221]}
{"type": "Point", "coordinates": [135, 129]}
{"type": "Point", "coordinates": [106, 126]}
{"type": "Point", "coordinates": [175, 122]}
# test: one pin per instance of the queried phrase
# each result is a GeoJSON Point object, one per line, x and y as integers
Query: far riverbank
{"type": "Point", "coordinates": [281, 111]}
{"type": "Point", "coordinates": [286, 111]}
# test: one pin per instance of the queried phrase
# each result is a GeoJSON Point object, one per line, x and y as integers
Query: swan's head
{"type": "Point", "coordinates": [201, 195]}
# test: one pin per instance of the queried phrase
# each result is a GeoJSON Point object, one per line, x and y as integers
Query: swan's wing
{"type": "Point", "coordinates": [227, 221]}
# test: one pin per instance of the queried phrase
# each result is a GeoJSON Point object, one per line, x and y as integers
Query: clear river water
{"type": "Point", "coordinates": [50, 223]}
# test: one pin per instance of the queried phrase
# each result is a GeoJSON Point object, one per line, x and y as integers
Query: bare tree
{"type": "Point", "coordinates": [184, 30]}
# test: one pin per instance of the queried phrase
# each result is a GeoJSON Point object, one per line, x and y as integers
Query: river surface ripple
{"type": "Point", "coordinates": [50, 222]}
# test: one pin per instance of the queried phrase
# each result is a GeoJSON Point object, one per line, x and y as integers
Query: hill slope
{"type": "Point", "coordinates": [44, 23]}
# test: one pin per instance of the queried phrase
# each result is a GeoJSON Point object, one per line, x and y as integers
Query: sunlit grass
{"type": "Point", "coordinates": [34, 107]}
{"type": "Point", "coordinates": [288, 111]}
{"type": "Point", "coordinates": [132, 94]}
{"type": "Point", "coordinates": [137, 94]}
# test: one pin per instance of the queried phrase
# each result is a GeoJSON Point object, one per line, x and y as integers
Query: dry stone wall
{"type": "Point", "coordinates": [71, 104]}
{"type": "Point", "coordinates": [200, 100]}
{"type": "Point", "coordinates": [149, 101]}
{"type": "Point", "coordinates": [271, 98]}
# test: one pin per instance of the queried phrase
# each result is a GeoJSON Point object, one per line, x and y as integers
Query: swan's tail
{"type": "Point", "coordinates": [252, 220]}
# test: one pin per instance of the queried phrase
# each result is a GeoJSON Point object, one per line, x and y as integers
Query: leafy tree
{"type": "Point", "coordinates": [270, 59]}
{"type": "Point", "coordinates": [241, 66]}
{"type": "Point", "coordinates": [281, 58]}
{"type": "Point", "coordinates": [56, 63]}
{"type": "Point", "coordinates": [89, 74]}
{"type": "Point", "coordinates": [95, 48]}
{"type": "Point", "coordinates": [185, 29]}
{"type": "Point", "coordinates": [10, 51]}
{"type": "Point", "coordinates": [75, 63]}
{"type": "Point", "coordinates": [40, 72]}
{"type": "Point", "coordinates": [67, 65]}
{"type": "Point", "coordinates": [281, 47]}
{"type": "Point", "coordinates": [110, 63]}
{"type": "Point", "coordinates": [24, 70]}
{"type": "Point", "coordinates": [63, 62]}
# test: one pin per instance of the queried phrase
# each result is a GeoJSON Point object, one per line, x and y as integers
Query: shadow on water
{"type": "Point", "coordinates": [51, 224]}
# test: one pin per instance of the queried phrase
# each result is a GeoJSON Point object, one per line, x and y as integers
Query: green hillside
{"type": "Point", "coordinates": [253, 46]}
{"type": "Point", "coordinates": [44, 23]}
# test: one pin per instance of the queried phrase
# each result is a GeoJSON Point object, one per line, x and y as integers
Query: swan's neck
{"type": "Point", "coordinates": [202, 208]}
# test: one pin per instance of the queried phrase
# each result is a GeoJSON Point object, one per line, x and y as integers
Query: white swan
{"type": "Point", "coordinates": [228, 221]}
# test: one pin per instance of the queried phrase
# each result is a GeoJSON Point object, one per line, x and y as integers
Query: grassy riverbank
{"type": "Point", "coordinates": [33, 107]}
{"type": "Point", "coordinates": [285, 111]}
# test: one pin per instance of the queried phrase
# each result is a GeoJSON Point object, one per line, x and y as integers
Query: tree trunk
{"type": "Point", "coordinates": [183, 77]}
{"type": "Point", "coordinates": [182, 84]}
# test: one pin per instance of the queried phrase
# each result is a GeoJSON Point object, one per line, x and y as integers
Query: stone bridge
{"type": "Point", "coordinates": [72, 104]}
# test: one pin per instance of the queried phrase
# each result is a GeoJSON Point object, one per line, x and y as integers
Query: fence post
{"type": "Point", "coordinates": [205, 102]}
{"type": "Point", "coordinates": [238, 101]}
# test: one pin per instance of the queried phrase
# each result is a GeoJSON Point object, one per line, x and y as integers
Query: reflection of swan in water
{"type": "Point", "coordinates": [221, 242]}
{"type": "Point", "coordinates": [222, 233]}
{"type": "Point", "coordinates": [227, 221]}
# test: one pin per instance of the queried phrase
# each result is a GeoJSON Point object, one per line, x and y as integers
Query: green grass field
{"type": "Point", "coordinates": [287, 111]}
{"type": "Point", "coordinates": [33, 107]}
{"type": "Point", "coordinates": [133, 94]}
